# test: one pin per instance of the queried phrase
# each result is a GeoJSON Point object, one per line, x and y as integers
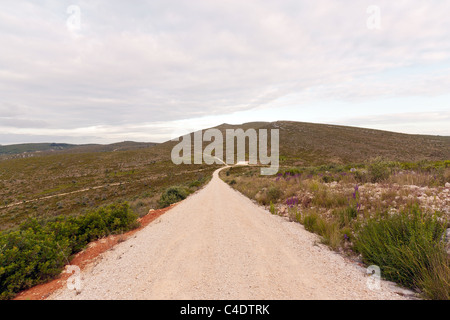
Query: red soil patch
{"type": "Point", "coordinates": [83, 258]}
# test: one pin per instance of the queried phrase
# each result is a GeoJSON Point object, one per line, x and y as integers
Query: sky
{"type": "Point", "coordinates": [104, 71]}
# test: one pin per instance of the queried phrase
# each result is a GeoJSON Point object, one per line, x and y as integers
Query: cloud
{"type": "Point", "coordinates": [163, 61]}
{"type": "Point", "coordinates": [21, 123]}
{"type": "Point", "coordinates": [431, 122]}
{"type": "Point", "coordinates": [409, 117]}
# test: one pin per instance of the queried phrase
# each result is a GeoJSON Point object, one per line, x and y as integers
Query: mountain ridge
{"type": "Point", "coordinates": [14, 149]}
{"type": "Point", "coordinates": [301, 143]}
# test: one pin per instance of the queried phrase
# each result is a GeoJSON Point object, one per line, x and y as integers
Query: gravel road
{"type": "Point", "coordinates": [217, 244]}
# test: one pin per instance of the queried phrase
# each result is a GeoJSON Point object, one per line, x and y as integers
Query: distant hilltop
{"type": "Point", "coordinates": [301, 144]}
{"type": "Point", "coordinates": [30, 148]}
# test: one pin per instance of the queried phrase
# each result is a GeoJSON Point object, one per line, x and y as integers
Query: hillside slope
{"type": "Point", "coordinates": [304, 143]}
{"type": "Point", "coordinates": [29, 149]}
{"type": "Point", "coordinates": [343, 144]}
{"type": "Point", "coordinates": [129, 169]}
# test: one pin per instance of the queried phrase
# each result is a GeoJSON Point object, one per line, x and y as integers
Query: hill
{"type": "Point", "coordinates": [47, 181]}
{"type": "Point", "coordinates": [73, 181]}
{"type": "Point", "coordinates": [32, 149]}
{"type": "Point", "coordinates": [321, 144]}
{"type": "Point", "coordinates": [89, 176]}
{"type": "Point", "coordinates": [304, 143]}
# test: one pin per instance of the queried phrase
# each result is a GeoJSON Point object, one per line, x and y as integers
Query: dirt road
{"type": "Point", "coordinates": [217, 244]}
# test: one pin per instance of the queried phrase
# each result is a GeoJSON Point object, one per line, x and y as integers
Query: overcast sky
{"type": "Point", "coordinates": [108, 71]}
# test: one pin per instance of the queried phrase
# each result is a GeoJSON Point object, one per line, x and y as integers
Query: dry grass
{"type": "Point", "coordinates": [95, 178]}
{"type": "Point", "coordinates": [334, 199]}
{"type": "Point", "coordinates": [334, 203]}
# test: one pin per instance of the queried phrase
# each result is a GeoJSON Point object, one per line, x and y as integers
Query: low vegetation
{"type": "Point", "coordinates": [52, 205]}
{"type": "Point", "coordinates": [391, 214]}
{"type": "Point", "coordinates": [408, 248]}
{"type": "Point", "coordinates": [39, 249]}
{"type": "Point", "coordinates": [70, 184]}
{"type": "Point", "coordinates": [65, 188]}
{"type": "Point", "coordinates": [173, 195]}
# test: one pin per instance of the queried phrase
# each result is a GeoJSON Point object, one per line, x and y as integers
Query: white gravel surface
{"type": "Point", "coordinates": [218, 244]}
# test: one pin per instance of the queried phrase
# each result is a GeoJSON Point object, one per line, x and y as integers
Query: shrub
{"type": "Point", "coordinates": [294, 214]}
{"type": "Point", "coordinates": [273, 194]}
{"type": "Point", "coordinates": [272, 208]}
{"type": "Point", "coordinates": [346, 215]}
{"type": "Point", "coordinates": [28, 258]}
{"type": "Point", "coordinates": [195, 184]}
{"type": "Point", "coordinates": [313, 186]}
{"type": "Point", "coordinates": [447, 175]}
{"type": "Point", "coordinates": [378, 171]}
{"type": "Point", "coordinates": [172, 195]}
{"type": "Point", "coordinates": [291, 171]}
{"type": "Point", "coordinates": [198, 182]}
{"type": "Point", "coordinates": [361, 176]}
{"type": "Point", "coordinates": [111, 219]}
{"type": "Point", "coordinates": [328, 230]}
{"type": "Point", "coordinates": [328, 179]}
{"type": "Point", "coordinates": [331, 234]}
{"type": "Point", "coordinates": [404, 245]}
{"type": "Point", "coordinates": [434, 281]}
{"type": "Point", "coordinates": [38, 250]}
{"type": "Point", "coordinates": [347, 233]}
{"type": "Point", "coordinates": [310, 221]}
{"type": "Point", "coordinates": [328, 199]}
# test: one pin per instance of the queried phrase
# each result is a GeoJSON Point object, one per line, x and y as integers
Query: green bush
{"type": "Point", "coordinates": [403, 246]}
{"type": "Point", "coordinates": [201, 180]}
{"type": "Point", "coordinates": [195, 184]}
{"type": "Point", "coordinates": [328, 230]}
{"type": "Point", "coordinates": [273, 194]}
{"type": "Point", "coordinates": [434, 281]}
{"type": "Point", "coordinates": [345, 215]}
{"type": "Point", "coordinates": [28, 258]}
{"type": "Point", "coordinates": [361, 176]}
{"type": "Point", "coordinates": [172, 195]}
{"type": "Point", "coordinates": [291, 171]}
{"type": "Point", "coordinates": [378, 171]}
{"type": "Point", "coordinates": [328, 179]}
{"type": "Point", "coordinates": [115, 218]}
{"type": "Point", "coordinates": [272, 208]}
{"type": "Point", "coordinates": [310, 221]}
{"type": "Point", "coordinates": [331, 234]}
{"type": "Point", "coordinates": [38, 250]}
{"type": "Point", "coordinates": [328, 199]}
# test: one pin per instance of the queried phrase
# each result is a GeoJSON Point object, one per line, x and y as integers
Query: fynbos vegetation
{"type": "Point", "coordinates": [77, 198]}
{"type": "Point", "coordinates": [39, 249]}
{"type": "Point", "coordinates": [391, 214]}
